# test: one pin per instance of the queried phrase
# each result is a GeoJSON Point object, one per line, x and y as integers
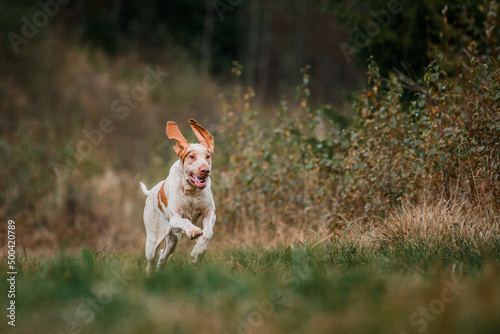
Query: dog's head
{"type": "Point", "coordinates": [196, 159]}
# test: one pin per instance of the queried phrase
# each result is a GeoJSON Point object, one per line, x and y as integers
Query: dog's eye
{"type": "Point", "coordinates": [208, 157]}
{"type": "Point", "coordinates": [191, 156]}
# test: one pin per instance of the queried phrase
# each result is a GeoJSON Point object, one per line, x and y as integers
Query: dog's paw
{"type": "Point", "coordinates": [195, 233]}
{"type": "Point", "coordinates": [196, 257]}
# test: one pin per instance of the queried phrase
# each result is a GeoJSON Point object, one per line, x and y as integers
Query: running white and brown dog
{"type": "Point", "coordinates": [176, 204]}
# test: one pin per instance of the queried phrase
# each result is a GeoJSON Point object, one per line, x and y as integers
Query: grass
{"type": "Point", "coordinates": [342, 286]}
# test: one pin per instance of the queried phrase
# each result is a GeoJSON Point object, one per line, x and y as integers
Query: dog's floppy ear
{"type": "Point", "coordinates": [205, 138]}
{"type": "Point", "coordinates": [173, 132]}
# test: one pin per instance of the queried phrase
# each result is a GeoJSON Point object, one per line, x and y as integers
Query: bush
{"type": "Point", "coordinates": [446, 141]}
{"type": "Point", "coordinates": [302, 172]}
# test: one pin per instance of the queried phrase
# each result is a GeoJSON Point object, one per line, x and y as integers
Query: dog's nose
{"type": "Point", "coordinates": [204, 170]}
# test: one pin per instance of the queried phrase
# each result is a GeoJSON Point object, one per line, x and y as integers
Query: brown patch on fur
{"type": "Point", "coordinates": [162, 198]}
{"type": "Point", "coordinates": [184, 155]}
{"type": "Point", "coordinates": [174, 133]}
{"type": "Point", "coordinates": [205, 138]}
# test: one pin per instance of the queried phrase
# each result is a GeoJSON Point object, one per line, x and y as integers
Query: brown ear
{"type": "Point", "coordinates": [205, 138]}
{"type": "Point", "coordinates": [174, 133]}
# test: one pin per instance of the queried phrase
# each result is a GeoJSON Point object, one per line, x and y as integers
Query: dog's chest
{"type": "Point", "coordinates": [191, 208]}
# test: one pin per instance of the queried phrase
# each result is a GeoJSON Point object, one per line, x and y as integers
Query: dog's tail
{"type": "Point", "coordinates": [144, 189]}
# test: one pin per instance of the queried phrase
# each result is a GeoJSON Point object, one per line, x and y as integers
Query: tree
{"type": "Point", "coordinates": [402, 34]}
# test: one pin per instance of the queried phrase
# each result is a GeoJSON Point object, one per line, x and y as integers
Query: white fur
{"type": "Point", "coordinates": [144, 189]}
{"type": "Point", "coordinates": [186, 206]}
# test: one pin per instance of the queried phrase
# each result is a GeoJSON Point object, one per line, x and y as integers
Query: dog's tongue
{"type": "Point", "coordinates": [200, 183]}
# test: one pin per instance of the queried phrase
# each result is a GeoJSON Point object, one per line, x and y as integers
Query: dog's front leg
{"type": "Point", "coordinates": [202, 244]}
{"type": "Point", "coordinates": [181, 224]}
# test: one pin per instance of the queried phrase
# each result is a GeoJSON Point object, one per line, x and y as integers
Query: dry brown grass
{"type": "Point", "coordinates": [434, 221]}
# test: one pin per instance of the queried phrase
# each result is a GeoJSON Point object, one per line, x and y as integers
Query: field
{"type": "Point", "coordinates": [337, 286]}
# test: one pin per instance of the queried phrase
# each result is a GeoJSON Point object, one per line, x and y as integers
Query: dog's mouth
{"type": "Point", "coordinates": [198, 182]}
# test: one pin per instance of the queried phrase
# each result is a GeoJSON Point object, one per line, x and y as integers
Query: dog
{"type": "Point", "coordinates": [175, 204]}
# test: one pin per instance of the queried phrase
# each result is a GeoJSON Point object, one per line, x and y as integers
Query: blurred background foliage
{"type": "Point", "coordinates": [406, 34]}
{"type": "Point", "coordinates": [298, 148]}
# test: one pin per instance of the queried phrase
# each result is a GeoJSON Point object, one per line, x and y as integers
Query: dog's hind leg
{"type": "Point", "coordinates": [170, 244]}
{"type": "Point", "coordinates": [152, 244]}
{"type": "Point", "coordinates": [151, 247]}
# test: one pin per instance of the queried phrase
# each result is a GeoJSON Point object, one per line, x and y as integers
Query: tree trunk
{"type": "Point", "coordinates": [253, 43]}
{"type": "Point", "coordinates": [206, 47]}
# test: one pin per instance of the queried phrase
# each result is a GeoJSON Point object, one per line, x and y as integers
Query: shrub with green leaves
{"type": "Point", "coordinates": [446, 141]}
{"type": "Point", "coordinates": [303, 170]}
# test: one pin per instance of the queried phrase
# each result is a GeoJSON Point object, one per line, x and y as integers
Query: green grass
{"type": "Point", "coordinates": [340, 287]}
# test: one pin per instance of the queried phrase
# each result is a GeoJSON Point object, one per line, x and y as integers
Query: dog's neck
{"type": "Point", "coordinates": [187, 186]}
